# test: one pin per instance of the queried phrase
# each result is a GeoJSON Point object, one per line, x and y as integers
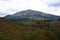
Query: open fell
{"type": "Point", "coordinates": [29, 30]}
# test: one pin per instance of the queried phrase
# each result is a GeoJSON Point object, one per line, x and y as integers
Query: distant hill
{"type": "Point", "coordinates": [31, 15]}
{"type": "Point", "coordinates": [58, 19]}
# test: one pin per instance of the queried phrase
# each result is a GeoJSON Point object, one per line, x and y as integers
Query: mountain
{"type": "Point", "coordinates": [58, 19]}
{"type": "Point", "coordinates": [31, 14]}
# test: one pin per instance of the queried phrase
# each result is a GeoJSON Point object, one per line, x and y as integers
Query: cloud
{"type": "Point", "coordinates": [56, 11]}
{"type": "Point", "coordinates": [12, 6]}
{"type": "Point", "coordinates": [54, 3]}
{"type": "Point", "coordinates": [53, 6]}
{"type": "Point", "coordinates": [51, 1]}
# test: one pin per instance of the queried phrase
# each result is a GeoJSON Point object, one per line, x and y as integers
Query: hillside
{"type": "Point", "coordinates": [29, 30]}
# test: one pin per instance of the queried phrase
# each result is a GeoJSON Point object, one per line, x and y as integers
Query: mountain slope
{"type": "Point", "coordinates": [31, 14]}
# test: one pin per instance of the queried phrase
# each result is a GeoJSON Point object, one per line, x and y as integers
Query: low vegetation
{"type": "Point", "coordinates": [29, 30]}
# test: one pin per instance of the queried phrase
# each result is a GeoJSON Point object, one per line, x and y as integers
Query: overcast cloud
{"type": "Point", "coordinates": [12, 6]}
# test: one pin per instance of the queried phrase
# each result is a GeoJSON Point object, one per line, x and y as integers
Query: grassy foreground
{"type": "Point", "coordinates": [29, 30]}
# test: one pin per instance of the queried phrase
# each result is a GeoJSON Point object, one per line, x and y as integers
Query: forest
{"type": "Point", "coordinates": [29, 30]}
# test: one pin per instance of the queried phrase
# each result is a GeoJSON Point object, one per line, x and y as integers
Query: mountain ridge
{"type": "Point", "coordinates": [31, 14]}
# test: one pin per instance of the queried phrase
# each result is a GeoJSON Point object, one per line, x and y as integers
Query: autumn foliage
{"type": "Point", "coordinates": [29, 30]}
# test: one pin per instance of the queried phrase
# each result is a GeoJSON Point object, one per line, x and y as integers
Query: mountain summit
{"type": "Point", "coordinates": [31, 14]}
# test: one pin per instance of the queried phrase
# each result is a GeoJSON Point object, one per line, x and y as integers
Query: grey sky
{"type": "Point", "coordinates": [12, 6]}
